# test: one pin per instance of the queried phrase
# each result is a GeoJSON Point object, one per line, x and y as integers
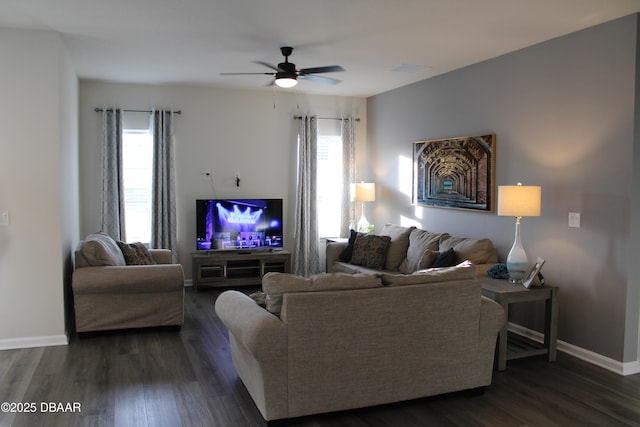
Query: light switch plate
{"type": "Point", "coordinates": [4, 218]}
{"type": "Point", "coordinates": [574, 220]}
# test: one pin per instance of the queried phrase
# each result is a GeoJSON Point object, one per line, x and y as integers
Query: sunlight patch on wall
{"type": "Point", "coordinates": [409, 222]}
{"type": "Point", "coordinates": [405, 175]}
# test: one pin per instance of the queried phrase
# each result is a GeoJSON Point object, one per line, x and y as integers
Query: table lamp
{"type": "Point", "coordinates": [519, 201]}
{"type": "Point", "coordinates": [364, 192]}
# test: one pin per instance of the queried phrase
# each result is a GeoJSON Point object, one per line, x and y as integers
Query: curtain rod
{"type": "Point", "coordinates": [325, 118]}
{"type": "Point", "coordinates": [136, 111]}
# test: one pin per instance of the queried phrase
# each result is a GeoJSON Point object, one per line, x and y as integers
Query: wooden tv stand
{"type": "Point", "coordinates": [237, 267]}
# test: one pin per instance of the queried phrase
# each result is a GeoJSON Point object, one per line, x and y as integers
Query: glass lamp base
{"type": "Point", "coordinates": [363, 225]}
{"type": "Point", "coordinates": [517, 262]}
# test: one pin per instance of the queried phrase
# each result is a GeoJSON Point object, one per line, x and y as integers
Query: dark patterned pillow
{"type": "Point", "coordinates": [370, 250]}
{"type": "Point", "coordinates": [136, 253]}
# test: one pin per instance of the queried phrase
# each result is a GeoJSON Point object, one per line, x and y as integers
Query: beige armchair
{"type": "Point", "coordinates": [109, 294]}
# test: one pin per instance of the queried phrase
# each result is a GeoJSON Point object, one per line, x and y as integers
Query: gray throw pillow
{"type": "Point", "coordinates": [99, 249]}
{"type": "Point", "coordinates": [420, 241]}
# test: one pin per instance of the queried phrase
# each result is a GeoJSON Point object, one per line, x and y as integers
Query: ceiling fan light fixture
{"type": "Point", "coordinates": [286, 81]}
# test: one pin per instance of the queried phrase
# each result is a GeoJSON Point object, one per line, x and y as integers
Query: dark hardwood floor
{"type": "Point", "coordinates": [161, 377]}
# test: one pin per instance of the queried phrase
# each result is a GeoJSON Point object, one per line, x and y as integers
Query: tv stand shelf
{"type": "Point", "coordinates": [237, 268]}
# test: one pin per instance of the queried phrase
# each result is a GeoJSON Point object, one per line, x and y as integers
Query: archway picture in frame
{"type": "Point", "coordinates": [455, 173]}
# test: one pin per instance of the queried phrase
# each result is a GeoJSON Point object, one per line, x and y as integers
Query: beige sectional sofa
{"type": "Point", "coordinates": [408, 249]}
{"type": "Point", "coordinates": [338, 341]}
{"type": "Point", "coordinates": [110, 294]}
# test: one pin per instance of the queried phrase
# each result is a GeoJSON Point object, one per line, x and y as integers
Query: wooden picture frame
{"type": "Point", "coordinates": [455, 173]}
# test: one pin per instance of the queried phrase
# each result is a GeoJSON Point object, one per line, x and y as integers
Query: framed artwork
{"type": "Point", "coordinates": [456, 173]}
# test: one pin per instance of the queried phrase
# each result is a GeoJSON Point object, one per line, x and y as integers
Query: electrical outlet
{"type": "Point", "coordinates": [574, 220]}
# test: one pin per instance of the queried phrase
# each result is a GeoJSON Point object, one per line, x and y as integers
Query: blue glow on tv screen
{"type": "Point", "coordinates": [239, 224]}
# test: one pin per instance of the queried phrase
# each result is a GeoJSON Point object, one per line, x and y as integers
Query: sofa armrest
{"type": "Point", "coordinates": [333, 251]}
{"type": "Point", "coordinates": [129, 279]}
{"type": "Point", "coordinates": [258, 331]}
{"type": "Point", "coordinates": [492, 316]}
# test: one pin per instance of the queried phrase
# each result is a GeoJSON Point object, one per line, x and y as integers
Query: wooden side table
{"type": "Point", "coordinates": [505, 293]}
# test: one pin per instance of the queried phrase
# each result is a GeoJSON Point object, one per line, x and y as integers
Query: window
{"type": "Point", "coordinates": [137, 159]}
{"type": "Point", "coordinates": [329, 185]}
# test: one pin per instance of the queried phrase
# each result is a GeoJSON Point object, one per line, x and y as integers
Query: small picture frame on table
{"type": "Point", "coordinates": [528, 282]}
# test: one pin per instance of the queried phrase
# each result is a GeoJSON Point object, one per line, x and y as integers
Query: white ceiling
{"type": "Point", "coordinates": [193, 41]}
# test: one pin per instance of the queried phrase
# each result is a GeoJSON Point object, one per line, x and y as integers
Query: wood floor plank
{"type": "Point", "coordinates": [161, 377]}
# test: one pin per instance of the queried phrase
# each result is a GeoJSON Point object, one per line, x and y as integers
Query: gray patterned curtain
{"type": "Point", "coordinates": [348, 176]}
{"type": "Point", "coordinates": [163, 222]}
{"type": "Point", "coordinates": [112, 211]}
{"type": "Point", "coordinates": [306, 255]}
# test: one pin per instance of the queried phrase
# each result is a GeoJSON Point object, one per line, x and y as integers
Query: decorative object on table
{"type": "Point", "coordinates": [498, 271]}
{"type": "Point", "coordinates": [533, 273]}
{"type": "Point", "coordinates": [455, 172]}
{"type": "Point", "coordinates": [518, 201]}
{"type": "Point", "coordinates": [364, 192]}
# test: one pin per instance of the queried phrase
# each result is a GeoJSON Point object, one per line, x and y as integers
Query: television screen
{"type": "Point", "coordinates": [239, 224]}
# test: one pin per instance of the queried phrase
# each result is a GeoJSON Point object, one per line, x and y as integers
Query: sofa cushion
{"type": "Point", "coordinates": [462, 271]}
{"type": "Point", "coordinates": [99, 249]}
{"type": "Point", "coordinates": [275, 285]}
{"type": "Point", "coordinates": [370, 250]}
{"type": "Point", "coordinates": [347, 252]}
{"type": "Point", "coordinates": [136, 253]}
{"type": "Point", "coordinates": [398, 246]}
{"type": "Point", "coordinates": [419, 242]}
{"type": "Point", "coordinates": [478, 251]}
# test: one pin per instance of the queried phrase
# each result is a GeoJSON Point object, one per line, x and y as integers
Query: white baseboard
{"type": "Point", "coordinates": [607, 363]}
{"type": "Point", "coordinates": [28, 342]}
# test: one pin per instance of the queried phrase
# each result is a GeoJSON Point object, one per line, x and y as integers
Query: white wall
{"type": "Point", "coordinates": [220, 130]}
{"type": "Point", "coordinates": [37, 186]}
{"type": "Point", "coordinates": [563, 112]}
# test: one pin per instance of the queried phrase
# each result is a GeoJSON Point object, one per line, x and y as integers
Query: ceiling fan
{"type": "Point", "coordinates": [286, 74]}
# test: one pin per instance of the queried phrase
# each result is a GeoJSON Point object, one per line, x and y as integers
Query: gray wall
{"type": "Point", "coordinates": [38, 187]}
{"type": "Point", "coordinates": [563, 113]}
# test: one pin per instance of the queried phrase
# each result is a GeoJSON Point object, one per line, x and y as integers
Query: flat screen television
{"type": "Point", "coordinates": [239, 224]}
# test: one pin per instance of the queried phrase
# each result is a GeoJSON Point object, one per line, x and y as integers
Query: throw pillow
{"type": "Point", "coordinates": [426, 260]}
{"type": "Point", "coordinates": [347, 252]}
{"type": "Point", "coordinates": [445, 259]}
{"type": "Point", "coordinates": [260, 298]}
{"type": "Point", "coordinates": [462, 271]}
{"type": "Point", "coordinates": [136, 253]}
{"type": "Point", "coordinates": [370, 251]}
{"type": "Point", "coordinates": [419, 242]}
{"type": "Point", "coordinates": [99, 249]}
{"type": "Point", "coordinates": [275, 285]}
{"type": "Point", "coordinates": [478, 251]}
{"type": "Point", "coordinates": [398, 246]}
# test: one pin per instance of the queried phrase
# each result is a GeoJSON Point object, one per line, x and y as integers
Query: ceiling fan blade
{"type": "Point", "coordinates": [266, 64]}
{"type": "Point", "coordinates": [246, 74]}
{"type": "Point", "coordinates": [327, 69]}
{"type": "Point", "coordinates": [319, 79]}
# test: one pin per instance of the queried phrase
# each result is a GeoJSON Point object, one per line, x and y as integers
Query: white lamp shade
{"type": "Point", "coordinates": [519, 200]}
{"type": "Point", "coordinates": [364, 192]}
